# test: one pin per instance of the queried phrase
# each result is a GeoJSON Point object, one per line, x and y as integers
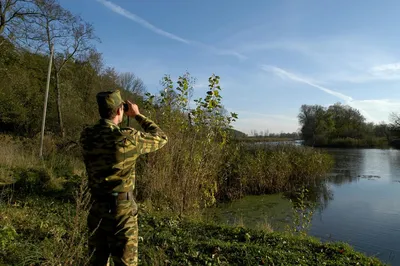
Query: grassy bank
{"type": "Point", "coordinates": [263, 139]}
{"type": "Point", "coordinates": [370, 142]}
{"type": "Point", "coordinates": [44, 208]}
{"type": "Point", "coordinates": [181, 177]}
{"type": "Point", "coordinates": [44, 231]}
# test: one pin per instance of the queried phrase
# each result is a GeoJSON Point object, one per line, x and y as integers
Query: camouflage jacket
{"type": "Point", "coordinates": [110, 153]}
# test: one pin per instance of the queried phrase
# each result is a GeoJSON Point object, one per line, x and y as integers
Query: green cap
{"type": "Point", "coordinates": [109, 99]}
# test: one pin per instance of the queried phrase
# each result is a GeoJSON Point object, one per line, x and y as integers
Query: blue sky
{"type": "Point", "coordinates": [272, 56]}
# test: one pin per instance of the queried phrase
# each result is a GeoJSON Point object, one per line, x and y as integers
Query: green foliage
{"type": "Point", "coordinates": [263, 169]}
{"type": "Point", "coordinates": [53, 233]}
{"type": "Point", "coordinates": [184, 242]}
{"type": "Point", "coordinates": [21, 82]}
{"type": "Point", "coordinates": [50, 232]}
{"type": "Point", "coordinates": [209, 112]}
{"type": "Point", "coordinates": [185, 176]}
{"type": "Point", "coordinates": [39, 224]}
{"type": "Point", "coordinates": [340, 126]}
{"type": "Point", "coordinates": [23, 79]}
{"type": "Point", "coordinates": [7, 237]}
{"type": "Point", "coordinates": [303, 210]}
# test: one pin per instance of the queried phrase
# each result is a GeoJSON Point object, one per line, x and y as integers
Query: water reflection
{"type": "Point", "coordinates": [359, 203]}
{"type": "Point", "coordinates": [365, 210]}
{"type": "Point", "coordinates": [346, 167]}
{"type": "Point", "coordinates": [353, 165]}
{"type": "Point", "coordinates": [319, 193]}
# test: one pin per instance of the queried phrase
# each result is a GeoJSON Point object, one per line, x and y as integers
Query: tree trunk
{"type": "Point", "coordinates": [60, 120]}
{"type": "Point", "coordinates": [2, 18]}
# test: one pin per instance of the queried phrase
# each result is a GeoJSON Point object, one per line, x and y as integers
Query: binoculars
{"type": "Point", "coordinates": [126, 107]}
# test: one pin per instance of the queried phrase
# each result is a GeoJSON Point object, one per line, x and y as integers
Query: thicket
{"type": "Point", "coordinates": [343, 126]}
{"type": "Point", "coordinates": [201, 163]}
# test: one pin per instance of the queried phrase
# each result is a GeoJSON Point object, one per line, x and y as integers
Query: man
{"type": "Point", "coordinates": [110, 154]}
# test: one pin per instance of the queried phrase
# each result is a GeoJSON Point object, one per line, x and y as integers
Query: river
{"type": "Point", "coordinates": [362, 207]}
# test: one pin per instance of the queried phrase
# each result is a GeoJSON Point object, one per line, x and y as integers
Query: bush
{"type": "Point", "coordinates": [7, 237]}
{"type": "Point", "coordinates": [261, 169]}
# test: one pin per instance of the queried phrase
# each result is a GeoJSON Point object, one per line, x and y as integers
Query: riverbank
{"type": "Point", "coordinates": [44, 208]}
{"type": "Point", "coordinates": [372, 142]}
{"type": "Point", "coordinates": [44, 231]}
{"type": "Point", "coordinates": [264, 139]}
{"type": "Point", "coordinates": [188, 176]}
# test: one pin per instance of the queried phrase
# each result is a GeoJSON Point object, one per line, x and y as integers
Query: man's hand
{"type": "Point", "coordinates": [133, 109]}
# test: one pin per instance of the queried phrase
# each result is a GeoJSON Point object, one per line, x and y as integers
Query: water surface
{"type": "Point", "coordinates": [363, 207]}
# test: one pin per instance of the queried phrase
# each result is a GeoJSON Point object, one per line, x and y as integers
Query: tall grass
{"type": "Point", "coordinates": [24, 174]}
{"type": "Point", "coordinates": [263, 169]}
{"type": "Point", "coordinates": [47, 203]}
{"type": "Point", "coordinates": [47, 231]}
{"type": "Point", "coordinates": [182, 176]}
{"type": "Point", "coordinates": [186, 175]}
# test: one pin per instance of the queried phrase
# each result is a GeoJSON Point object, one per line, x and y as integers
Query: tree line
{"type": "Point", "coordinates": [266, 133]}
{"type": "Point", "coordinates": [344, 126]}
{"type": "Point", "coordinates": [28, 31]}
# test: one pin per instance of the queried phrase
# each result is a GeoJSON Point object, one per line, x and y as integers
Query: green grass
{"type": "Point", "coordinates": [268, 212]}
{"type": "Point", "coordinates": [43, 208]}
{"type": "Point", "coordinates": [52, 232]}
{"type": "Point", "coordinates": [183, 176]}
{"type": "Point", "coordinates": [193, 243]}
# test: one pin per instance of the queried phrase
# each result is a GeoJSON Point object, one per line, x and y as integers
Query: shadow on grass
{"type": "Point", "coordinates": [33, 182]}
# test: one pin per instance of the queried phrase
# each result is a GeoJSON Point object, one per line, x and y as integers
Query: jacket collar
{"type": "Point", "coordinates": [108, 123]}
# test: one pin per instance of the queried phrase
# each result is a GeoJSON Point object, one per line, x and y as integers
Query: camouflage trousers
{"type": "Point", "coordinates": [113, 231]}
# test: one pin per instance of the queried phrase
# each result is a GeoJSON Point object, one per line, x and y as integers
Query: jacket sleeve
{"type": "Point", "coordinates": [152, 139]}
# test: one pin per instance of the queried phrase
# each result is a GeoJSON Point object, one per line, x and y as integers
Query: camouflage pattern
{"type": "Point", "coordinates": [109, 99]}
{"type": "Point", "coordinates": [110, 154]}
{"type": "Point", "coordinates": [113, 233]}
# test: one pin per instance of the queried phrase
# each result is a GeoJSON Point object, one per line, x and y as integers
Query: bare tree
{"type": "Point", "coordinates": [70, 35]}
{"type": "Point", "coordinates": [394, 119]}
{"type": "Point", "coordinates": [128, 81]}
{"type": "Point", "coordinates": [12, 13]}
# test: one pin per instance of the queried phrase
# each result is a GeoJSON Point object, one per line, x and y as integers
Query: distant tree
{"type": "Point", "coordinates": [394, 119]}
{"type": "Point", "coordinates": [316, 123]}
{"type": "Point", "coordinates": [342, 125]}
{"type": "Point", "coordinates": [349, 122]}
{"type": "Point", "coordinates": [394, 125]}
{"type": "Point", "coordinates": [382, 130]}
{"type": "Point", "coordinates": [129, 82]}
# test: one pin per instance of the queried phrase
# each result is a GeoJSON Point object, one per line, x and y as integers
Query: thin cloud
{"type": "Point", "coordinates": [385, 72]}
{"type": "Point", "coordinates": [285, 74]}
{"type": "Point", "coordinates": [387, 68]}
{"type": "Point", "coordinates": [123, 12]}
{"type": "Point", "coordinates": [339, 58]}
{"type": "Point", "coordinates": [358, 104]}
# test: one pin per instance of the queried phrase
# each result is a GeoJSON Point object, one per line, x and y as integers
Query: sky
{"type": "Point", "coordinates": [272, 56]}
